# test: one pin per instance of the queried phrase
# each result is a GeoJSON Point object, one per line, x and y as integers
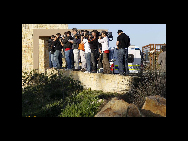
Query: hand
{"type": "Point", "coordinates": [55, 38]}
{"type": "Point", "coordinates": [97, 58]}
{"type": "Point", "coordinates": [99, 37]}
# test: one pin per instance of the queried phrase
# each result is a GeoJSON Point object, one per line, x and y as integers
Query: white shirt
{"type": "Point", "coordinates": [105, 43]}
{"type": "Point", "coordinates": [86, 46]}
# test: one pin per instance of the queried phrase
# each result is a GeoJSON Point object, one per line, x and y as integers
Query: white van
{"type": "Point", "coordinates": [134, 59]}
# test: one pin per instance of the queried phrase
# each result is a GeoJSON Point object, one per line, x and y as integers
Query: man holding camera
{"type": "Point", "coordinates": [76, 52]}
{"type": "Point", "coordinates": [93, 41]}
{"type": "Point", "coordinates": [57, 53]}
{"type": "Point", "coordinates": [51, 52]}
{"type": "Point", "coordinates": [68, 48]}
{"type": "Point", "coordinates": [105, 50]}
{"type": "Point", "coordinates": [123, 42]}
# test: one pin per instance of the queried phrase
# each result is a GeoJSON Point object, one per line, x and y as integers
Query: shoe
{"type": "Point", "coordinates": [83, 70]}
{"type": "Point", "coordinates": [76, 69]}
{"type": "Point", "coordinates": [93, 71]}
{"type": "Point", "coordinates": [86, 72]}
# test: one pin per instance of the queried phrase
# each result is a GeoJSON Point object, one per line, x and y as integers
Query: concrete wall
{"type": "Point", "coordinates": [98, 81]}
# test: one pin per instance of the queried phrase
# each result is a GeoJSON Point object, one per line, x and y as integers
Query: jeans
{"type": "Point", "coordinates": [123, 58]}
{"type": "Point", "coordinates": [50, 62]}
{"type": "Point", "coordinates": [68, 58]}
{"type": "Point", "coordinates": [88, 61]}
{"type": "Point", "coordinates": [53, 60]}
{"type": "Point", "coordinates": [57, 56]}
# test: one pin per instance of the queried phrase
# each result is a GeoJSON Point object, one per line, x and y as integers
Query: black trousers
{"type": "Point", "coordinates": [94, 54]}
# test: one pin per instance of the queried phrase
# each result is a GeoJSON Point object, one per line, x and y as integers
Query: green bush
{"type": "Point", "coordinates": [85, 104]}
{"type": "Point", "coordinates": [57, 96]}
{"type": "Point", "coordinates": [39, 90]}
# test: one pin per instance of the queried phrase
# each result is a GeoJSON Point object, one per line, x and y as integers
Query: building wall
{"type": "Point", "coordinates": [98, 81]}
{"type": "Point", "coordinates": [27, 45]}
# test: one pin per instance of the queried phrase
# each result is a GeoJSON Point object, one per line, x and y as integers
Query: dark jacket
{"type": "Point", "coordinates": [93, 43]}
{"type": "Point", "coordinates": [57, 44]}
{"type": "Point", "coordinates": [51, 47]}
{"type": "Point", "coordinates": [66, 43]}
{"type": "Point", "coordinates": [76, 42]}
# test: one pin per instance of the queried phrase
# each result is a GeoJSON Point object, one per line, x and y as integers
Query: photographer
{"type": "Point", "coordinates": [93, 41]}
{"type": "Point", "coordinates": [51, 52]}
{"type": "Point", "coordinates": [105, 51]}
{"type": "Point", "coordinates": [68, 48]}
{"type": "Point", "coordinates": [87, 51]}
{"type": "Point", "coordinates": [82, 54]}
{"type": "Point", "coordinates": [57, 53]}
{"type": "Point", "coordinates": [76, 52]}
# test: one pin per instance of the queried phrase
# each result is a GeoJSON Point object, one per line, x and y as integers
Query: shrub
{"type": "Point", "coordinates": [85, 104]}
{"type": "Point", "coordinates": [39, 90]}
{"type": "Point", "coordinates": [147, 84]}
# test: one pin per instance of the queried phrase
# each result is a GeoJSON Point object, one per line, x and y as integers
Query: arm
{"type": "Point", "coordinates": [117, 43]}
{"type": "Point", "coordinates": [65, 41]}
{"type": "Point", "coordinates": [101, 40]}
{"type": "Point", "coordinates": [78, 41]}
{"type": "Point", "coordinates": [55, 41]}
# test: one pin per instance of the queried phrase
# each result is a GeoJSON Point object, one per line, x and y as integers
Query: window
{"type": "Point", "coordinates": [130, 58]}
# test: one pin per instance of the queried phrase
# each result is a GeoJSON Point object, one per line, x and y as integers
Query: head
{"type": "Point", "coordinates": [104, 33]}
{"type": "Point", "coordinates": [119, 32]}
{"type": "Point", "coordinates": [74, 31]}
{"type": "Point", "coordinates": [58, 34]}
{"type": "Point", "coordinates": [163, 48]}
{"type": "Point", "coordinates": [52, 37]}
{"type": "Point", "coordinates": [68, 33]}
{"type": "Point", "coordinates": [94, 33]}
{"type": "Point", "coordinates": [86, 35]}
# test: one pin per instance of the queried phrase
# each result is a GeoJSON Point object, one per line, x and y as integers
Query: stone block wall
{"type": "Point", "coordinates": [98, 81]}
{"type": "Point", "coordinates": [27, 45]}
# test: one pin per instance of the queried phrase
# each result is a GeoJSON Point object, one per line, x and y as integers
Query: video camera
{"type": "Point", "coordinates": [108, 34]}
{"type": "Point", "coordinates": [80, 33]}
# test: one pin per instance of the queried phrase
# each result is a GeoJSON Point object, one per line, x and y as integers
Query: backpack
{"type": "Point", "coordinates": [81, 47]}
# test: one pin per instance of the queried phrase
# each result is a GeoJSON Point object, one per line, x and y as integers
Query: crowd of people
{"type": "Point", "coordinates": [91, 47]}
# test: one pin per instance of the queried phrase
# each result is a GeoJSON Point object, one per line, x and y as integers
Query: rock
{"type": "Point", "coordinates": [155, 104]}
{"type": "Point", "coordinates": [118, 108]}
{"type": "Point", "coordinates": [133, 111]}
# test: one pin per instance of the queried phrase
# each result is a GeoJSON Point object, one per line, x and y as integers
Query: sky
{"type": "Point", "coordinates": [139, 34]}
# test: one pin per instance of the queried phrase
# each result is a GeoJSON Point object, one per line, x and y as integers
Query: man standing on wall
{"type": "Point", "coordinates": [94, 50]}
{"type": "Point", "coordinates": [57, 53]}
{"type": "Point", "coordinates": [76, 52]}
{"type": "Point", "coordinates": [68, 49]}
{"type": "Point", "coordinates": [123, 42]}
{"type": "Point", "coordinates": [105, 51]}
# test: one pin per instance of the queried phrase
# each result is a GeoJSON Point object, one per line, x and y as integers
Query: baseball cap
{"type": "Point", "coordinates": [119, 31]}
